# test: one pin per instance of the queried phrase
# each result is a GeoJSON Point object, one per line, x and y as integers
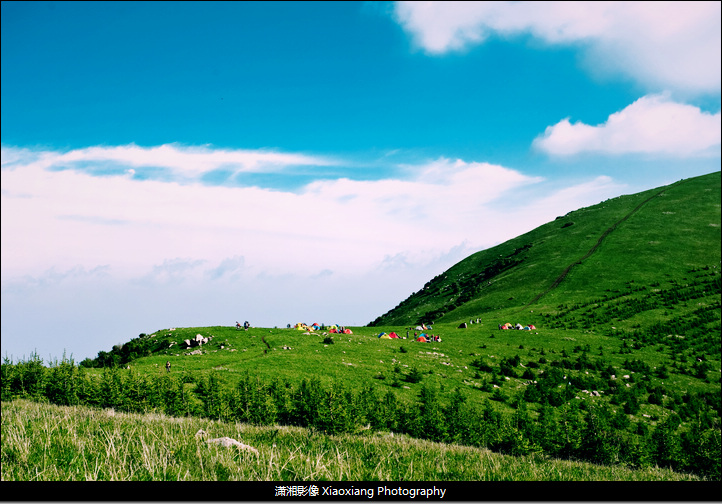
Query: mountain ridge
{"type": "Point", "coordinates": [466, 285]}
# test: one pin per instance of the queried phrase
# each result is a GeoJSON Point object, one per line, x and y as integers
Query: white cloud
{"type": "Point", "coordinates": [185, 162]}
{"type": "Point", "coordinates": [651, 125]}
{"type": "Point", "coordinates": [663, 45]}
{"type": "Point", "coordinates": [68, 218]}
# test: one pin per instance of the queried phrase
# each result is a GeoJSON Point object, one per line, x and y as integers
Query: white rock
{"type": "Point", "coordinates": [228, 442]}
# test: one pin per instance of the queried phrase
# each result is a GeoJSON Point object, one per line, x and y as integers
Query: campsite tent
{"type": "Point", "coordinates": [421, 339]}
{"type": "Point", "coordinates": [347, 331]}
{"type": "Point", "coordinates": [383, 335]}
{"type": "Point", "coordinates": [419, 328]}
{"type": "Point", "coordinates": [462, 325]}
{"type": "Point", "coordinates": [531, 326]}
{"type": "Point", "coordinates": [393, 335]}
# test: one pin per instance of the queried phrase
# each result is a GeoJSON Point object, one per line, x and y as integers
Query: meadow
{"type": "Point", "coordinates": [510, 395]}
{"type": "Point", "coordinates": [43, 442]}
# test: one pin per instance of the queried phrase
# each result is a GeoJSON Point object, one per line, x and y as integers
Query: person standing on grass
{"type": "Point", "coordinates": [167, 366]}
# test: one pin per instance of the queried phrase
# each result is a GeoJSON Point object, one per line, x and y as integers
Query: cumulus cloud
{"type": "Point", "coordinates": [652, 124]}
{"type": "Point", "coordinates": [663, 45]}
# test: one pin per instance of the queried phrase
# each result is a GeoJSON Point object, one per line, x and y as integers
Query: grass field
{"type": "Point", "coordinates": [362, 358]}
{"type": "Point", "coordinates": [44, 442]}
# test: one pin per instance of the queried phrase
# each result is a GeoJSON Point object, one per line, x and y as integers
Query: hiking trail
{"type": "Point", "coordinates": [606, 233]}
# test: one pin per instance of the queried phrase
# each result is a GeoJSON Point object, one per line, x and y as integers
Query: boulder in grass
{"type": "Point", "coordinates": [229, 442]}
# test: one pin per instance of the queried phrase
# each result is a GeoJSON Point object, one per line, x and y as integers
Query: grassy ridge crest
{"type": "Point", "coordinates": [641, 237]}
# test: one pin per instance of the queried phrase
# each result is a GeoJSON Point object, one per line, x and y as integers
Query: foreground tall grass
{"type": "Point", "coordinates": [42, 442]}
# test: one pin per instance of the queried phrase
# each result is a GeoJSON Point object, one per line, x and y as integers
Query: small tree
{"type": "Point", "coordinates": [631, 407]}
{"type": "Point", "coordinates": [498, 395]}
{"type": "Point", "coordinates": [414, 375]}
{"type": "Point", "coordinates": [431, 414]}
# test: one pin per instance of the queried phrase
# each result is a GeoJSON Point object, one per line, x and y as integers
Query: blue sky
{"type": "Point", "coordinates": [179, 164]}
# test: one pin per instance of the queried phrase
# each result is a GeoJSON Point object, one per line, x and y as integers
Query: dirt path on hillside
{"type": "Point", "coordinates": [606, 233]}
{"type": "Point", "coordinates": [265, 350]}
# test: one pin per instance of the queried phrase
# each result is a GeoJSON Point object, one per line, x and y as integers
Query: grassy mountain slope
{"type": "Point", "coordinates": [644, 238]}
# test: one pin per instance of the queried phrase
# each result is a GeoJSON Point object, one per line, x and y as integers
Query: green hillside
{"type": "Point", "coordinates": [651, 240]}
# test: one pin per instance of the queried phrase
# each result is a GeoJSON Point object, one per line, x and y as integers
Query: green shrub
{"type": "Point", "coordinates": [414, 376]}
{"type": "Point", "coordinates": [481, 365]}
{"type": "Point", "coordinates": [498, 395]}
